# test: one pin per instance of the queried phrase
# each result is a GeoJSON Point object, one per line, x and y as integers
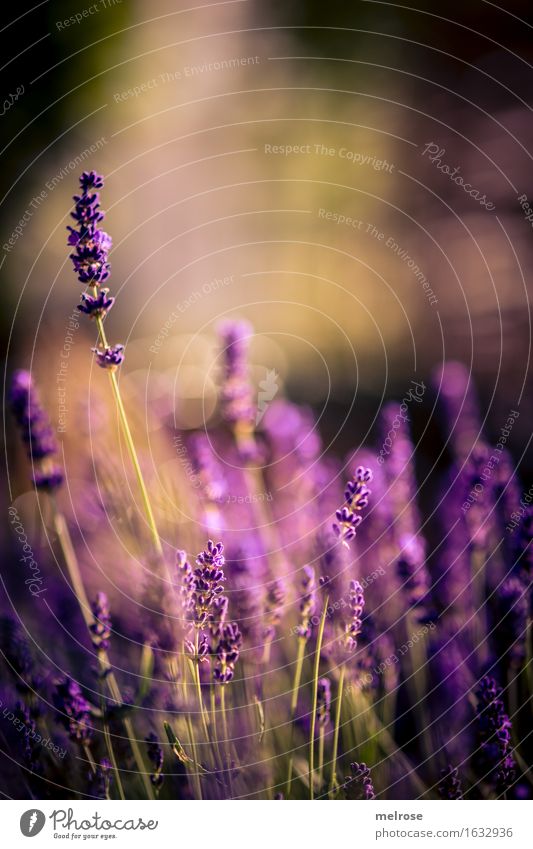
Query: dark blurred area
{"type": "Point", "coordinates": [192, 196]}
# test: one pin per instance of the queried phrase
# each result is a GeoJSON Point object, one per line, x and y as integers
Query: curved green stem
{"type": "Point", "coordinates": [294, 704]}
{"type": "Point", "coordinates": [112, 758]}
{"type": "Point", "coordinates": [316, 668]}
{"type": "Point", "coordinates": [321, 755]}
{"type": "Point", "coordinates": [156, 541]}
{"type": "Point", "coordinates": [227, 744]}
{"type": "Point", "coordinates": [333, 782]}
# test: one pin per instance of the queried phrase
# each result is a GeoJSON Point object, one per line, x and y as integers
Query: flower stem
{"type": "Point", "coordinates": [316, 668]}
{"type": "Point", "coordinates": [214, 724]}
{"type": "Point", "coordinates": [294, 704]}
{"type": "Point", "coordinates": [88, 755]}
{"type": "Point", "coordinates": [321, 755]}
{"type": "Point", "coordinates": [156, 541]}
{"type": "Point", "coordinates": [198, 684]}
{"type": "Point", "coordinates": [226, 735]}
{"type": "Point", "coordinates": [196, 774]}
{"type": "Point", "coordinates": [71, 562]}
{"type": "Point", "coordinates": [112, 757]}
{"type": "Point", "coordinates": [338, 711]}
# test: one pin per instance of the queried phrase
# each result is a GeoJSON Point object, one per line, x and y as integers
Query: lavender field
{"type": "Point", "coordinates": [316, 626]}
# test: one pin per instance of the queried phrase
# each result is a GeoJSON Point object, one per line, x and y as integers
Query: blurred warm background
{"type": "Point", "coordinates": [233, 137]}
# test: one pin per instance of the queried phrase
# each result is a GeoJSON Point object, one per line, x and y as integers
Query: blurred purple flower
{"type": "Point", "coordinates": [186, 584]}
{"type": "Point", "coordinates": [100, 628]}
{"type": "Point", "coordinates": [35, 430]}
{"type": "Point", "coordinates": [31, 750]}
{"type": "Point", "coordinates": [100, 780]}
{"type": "Point", "coordinates": [235, 391]}
{"type": "Point", "coordinates": [510, 609]}
{"type": "Point", "coordinates": [307, 603]}
{"type": "Point", "coordinates": [323, 702]}
{"type": "Point", "coordinates": [227, 652]}
{"type": "Point", "coordinates": [359, 784]}
{"type": "Point", "coordinates": [412, 570]}
{"type": "Point", "coordinates": [207, 467]}
{"type": "Point", "coordinates": [274, 600]}
{"type": "Point", "coordinates": [156, 758]}
{"type": "Point", "coordinates": [495, 759]}
{"type": "Point", "coordinates": [352, 628]}
{"type": "Point", "coordinates": [450, 784]}
{"type": "Point", "coordinates": [356, 499]}
{"type": "Point", "coordinates": [74, 711]}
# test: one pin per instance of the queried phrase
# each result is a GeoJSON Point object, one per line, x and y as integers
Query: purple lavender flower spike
{"type": "Point", "coordinates": [91, 244]}
{"type": "Point", "coordinates": [109, 358]}
{"type": "Point", "coordinates": [31, 750]}
{"type": "Point", "coordinates": [412, 571]}
{"type": "Point", "coordinates": [100, 780]}
{"type": "Point", "coordinates": [208, 578]}
{"type": "Point", "coordinates": [36, 431]}
{"type": "Point", "coordinates": [352, 628]}
{"type": "Point", "coordinates": [275, 598]}
{"type": "Point", "coordinates": [450, 784]}
{"type": "Point", "coordinates": [74, 710]}
{"type": "Point", "coordinates": [207, 467]}
{"type": "Point", "coordinates": [510, 621]}
{"type": "Point", "coordinates": [478, 496]}
{"type": "Point", "coordinates": [96, 305]}
{"type": "Point", "coordinates": [459, 402]}
{"type": "Point", "coordinates": [100, 628]}
{"type": "Point", "coordinates": [307, 603]}
{"type": "Point", "coordinates": [156, 758]}
{"type": "Point", "coordinates": [50, 479]}
{"type": "Point", "coordinates": [212, 555]}
{"type": "Point", "coordinates": [200, 653]}
{"type": "Point", "coordinates": [495, 758]}
{"type": "Point", "coordinates": [186, 584]}
{"type": "Point", "coordinates": [359, 784]}
{"type": "Point", "coordinates": [218, 615]}
{"type": "Point", "coordinates": [227, 653]}
{"type": "Point", "coordinates": [236, 393]}
{"type": "Point", "coordinates": [323, 702]}
{"type": "Point", "coordinates": [356, 498]}
{"type": "Point", "coordinates": [31, 417]}
{"type": "Point", "coordinates": [399, 472]}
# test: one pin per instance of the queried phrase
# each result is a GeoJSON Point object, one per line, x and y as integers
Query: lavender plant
{"type": "Point", "coordinates": [320, 645]}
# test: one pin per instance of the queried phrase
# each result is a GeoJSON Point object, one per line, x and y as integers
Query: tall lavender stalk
{"type": "Point", "coordinates": [303, 631]}
{"type": "Point", "coordinates": [202, 602]}
{"type": "Point", "coordinates": [36, 431]}
{"type": "Point", "coordinates": [235, 392]}
{"type": "Point", "coordinates": [346, 646]}
{"type": "Point", "coordinates": [90, 260]}
{"type": "Point", "coordinates": [41, 445]}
